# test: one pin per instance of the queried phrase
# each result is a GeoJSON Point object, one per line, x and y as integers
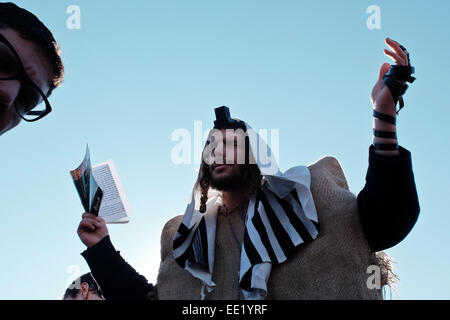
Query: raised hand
{"type": "Point", "coordinates": [91, 229]}
{"type": "Point", "coordinates": [381, 96]}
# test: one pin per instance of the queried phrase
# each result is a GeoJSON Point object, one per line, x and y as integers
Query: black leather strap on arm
{"type": "Point", "coordinates": [385, 134]}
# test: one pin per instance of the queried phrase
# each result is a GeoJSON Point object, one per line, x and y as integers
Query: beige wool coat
{"type": "Point", "coordinates": [334, 266]}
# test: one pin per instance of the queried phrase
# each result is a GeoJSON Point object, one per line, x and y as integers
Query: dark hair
{"type": "Point", "coordinates": [73, 290]}
{"type": "Point", "coordinates": [32, 29]}
{"type": "Point", "coordinates": [251, 175]}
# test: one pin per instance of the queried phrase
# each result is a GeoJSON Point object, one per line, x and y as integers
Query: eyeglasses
{"type": "Point", "coordinates": [31, 103]}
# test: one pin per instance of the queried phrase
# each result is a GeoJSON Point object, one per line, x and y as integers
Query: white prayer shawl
{"type": "Point", "coordinates": [280, 217]}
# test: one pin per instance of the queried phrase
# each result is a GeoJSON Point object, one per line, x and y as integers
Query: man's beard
{"type": "Point", "coordinates": [233, 181]}
{"type": "Point", "coordinates": [246, 178]}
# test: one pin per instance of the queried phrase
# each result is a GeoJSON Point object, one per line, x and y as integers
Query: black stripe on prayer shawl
{"type": "Point", "coordinates": [317, 225]}
{"type": "Point", "coordinates": [280, 233]}
{"type": "Point", "coordinates": [295, 195]}
{"type": "Point", "coordinates": [253, 257]}
{"type": "Point", "coordinates": [246, 281]}
{"type": "Point", "coordinates": [197, 250]}
{"type": "Point", "coordinates": [181, 260]}
{"type": "Point", "coordinates": [294, 219]}
{"type": "Point", "coordinates": [199, 253]}
{"type": "Point", "coordinates": [184, 233]}
{"type": "Point", "coordinates": [250, 250]}
{"type": "Point", "coordinates": [259, 226]}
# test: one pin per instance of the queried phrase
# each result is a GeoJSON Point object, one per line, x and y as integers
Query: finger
{"type": "Point", "coordinates": [99, 219]}
{"type": "Point", "coordinates": [407, 57]}
{"type": "Point", "coordinates": [88, 215]}
{"type": "Point", "coordinates": [86, 225]}
{"type": "Point", "coordinates": [394, 45]}
{"type": "Point", "coordinates": [399, 60]}
{"type": "Point", "coordinates": [384, 68]}
{"type": "Point", "coordinates": [97, 224]}
{"type": "Point", "coordinates": [90, 220]}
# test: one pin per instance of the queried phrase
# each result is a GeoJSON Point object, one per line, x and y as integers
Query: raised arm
{"type": "Point", "coordinates": [117, 279]}
{"type": "Point", "coordinates": [388, 204]}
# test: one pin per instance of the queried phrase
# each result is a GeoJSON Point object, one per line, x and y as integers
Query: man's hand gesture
{"type": "Point", "coordinates": [381, 97]}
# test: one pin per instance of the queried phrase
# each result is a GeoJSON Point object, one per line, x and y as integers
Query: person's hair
{"type": "Point", "coordinates": [73, 290]}
{"type": "Point", "coordinates": [251, 175]}
{"type": "Point", "coordinates": [32, 29]}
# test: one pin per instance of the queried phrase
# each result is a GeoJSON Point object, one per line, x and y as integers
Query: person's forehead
{"type": "Point", "coordinates": [227, 133]}
{"type": "Point", "coordinates": [229, 137]}
{"type": "Point", "coordinates": [32, 57]}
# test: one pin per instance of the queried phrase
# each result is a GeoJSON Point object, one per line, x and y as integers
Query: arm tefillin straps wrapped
{"type": "Point", "coordinates": [392, 79]}
{"type": "Point", "coordinates": [385, 134]}
{"type": "Point", "coordinates": [394, 75]}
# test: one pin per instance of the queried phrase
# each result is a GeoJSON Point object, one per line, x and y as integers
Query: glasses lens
{"type": "Point", "coordinates": [9, 66]}
{"type": "Point", "coordinates": [29, 102]}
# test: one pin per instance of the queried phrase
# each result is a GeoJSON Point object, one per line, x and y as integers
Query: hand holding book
{"type": "Point", "coordinates": [92, 229]}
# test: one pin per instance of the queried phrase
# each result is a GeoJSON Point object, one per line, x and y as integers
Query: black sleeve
{"type": "Point", "coordinates": [117, 279]}
{"type": "Point", "coordinates": [388, 204]}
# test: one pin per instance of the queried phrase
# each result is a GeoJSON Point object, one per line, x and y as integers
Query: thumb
{"type": "Point", "coordinates": [384, 68]}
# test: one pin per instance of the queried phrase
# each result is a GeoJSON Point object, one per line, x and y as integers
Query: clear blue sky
{"type": "Point", "coordinates": [138, 70]}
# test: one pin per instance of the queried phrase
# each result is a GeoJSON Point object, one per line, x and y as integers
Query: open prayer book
{"type": "Point", "coordinates": [101, 191]}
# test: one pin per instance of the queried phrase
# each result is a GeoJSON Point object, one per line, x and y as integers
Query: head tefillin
{"type": "Point", "coordinates": [224, 120]}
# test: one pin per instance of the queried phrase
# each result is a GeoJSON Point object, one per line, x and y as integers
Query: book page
{"type": "Point", "coordinates": [114, 207]}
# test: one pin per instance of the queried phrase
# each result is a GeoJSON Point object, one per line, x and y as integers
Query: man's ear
{"type": "Point", "coordinates": [84, 288]}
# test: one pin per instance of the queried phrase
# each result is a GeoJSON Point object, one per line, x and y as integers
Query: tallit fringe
{"type": "Point", "coordinates": [388, 277]}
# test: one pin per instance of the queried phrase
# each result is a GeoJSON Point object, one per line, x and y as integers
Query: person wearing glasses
{"type": "Point", "coordinates": [30, 67]}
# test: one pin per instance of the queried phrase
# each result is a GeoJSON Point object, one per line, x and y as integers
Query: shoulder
{"type": "Point", "coordinates": [172, 225]}
{"type": "Point", "coordinates": [328, 168]}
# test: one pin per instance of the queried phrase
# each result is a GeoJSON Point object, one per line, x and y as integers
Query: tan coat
{"type": "Point", "coordinates": [334, 266]}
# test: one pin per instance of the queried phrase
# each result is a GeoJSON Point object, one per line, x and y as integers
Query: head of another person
{"type": "Point", "coordinates": [30, 67]}
{"type": "Point", "coordinates": [84, 288]}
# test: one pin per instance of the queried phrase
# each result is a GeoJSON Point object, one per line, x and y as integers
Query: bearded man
{"type": "Point", "coordinates": [253, 232]}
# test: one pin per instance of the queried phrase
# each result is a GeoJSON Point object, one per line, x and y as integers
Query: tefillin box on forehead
{"type": "Point", "coordinates": [224, 120]}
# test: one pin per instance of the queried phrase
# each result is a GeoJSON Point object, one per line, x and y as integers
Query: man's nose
{"type": "Point", "coordinates": [219, 153]}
